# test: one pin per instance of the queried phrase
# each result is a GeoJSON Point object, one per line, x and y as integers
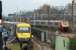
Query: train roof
{"type": "Point", "coordinates": [23, 25]}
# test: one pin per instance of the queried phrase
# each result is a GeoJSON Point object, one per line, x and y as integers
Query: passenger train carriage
{"type": "Point", "coordinates": [23, 32]}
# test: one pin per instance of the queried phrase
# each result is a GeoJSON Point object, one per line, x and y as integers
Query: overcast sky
{"type": "Point", "coordinates": [10, 6]}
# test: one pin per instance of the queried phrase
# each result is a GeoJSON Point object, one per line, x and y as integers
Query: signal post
{"type": "Point", "coordinates": [1, 42]}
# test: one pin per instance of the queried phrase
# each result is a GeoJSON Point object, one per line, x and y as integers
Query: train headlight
{"type": "Point", "coordinates": [32, 36]}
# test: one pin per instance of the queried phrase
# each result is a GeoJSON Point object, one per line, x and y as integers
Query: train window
{"type": "Point", "coordinates": [23, 29]}
{"type": "Point", "coordinates": [56, 23]}
{"type": "Point", "coordinates": [42, 22]}
{"type": "Point", "coordinates": [49, 22]}
{"type": "Point", "coordinates": [37, 22]}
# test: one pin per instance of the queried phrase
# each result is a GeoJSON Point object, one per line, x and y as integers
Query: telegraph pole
{"type": "Point", "coordinates": [72, 15]}
{"type": "Point", "coordinates": [1, 42]}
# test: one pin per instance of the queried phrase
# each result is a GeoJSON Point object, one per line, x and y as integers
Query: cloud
{"type": "Point", "coordinates": [51, 2]}
{"type": "Point", "coordinates": [36, 1]}
{"type": "Point", "coordinates": [12, 5]}
{"type": "Point", "coordinates": [40, 2]}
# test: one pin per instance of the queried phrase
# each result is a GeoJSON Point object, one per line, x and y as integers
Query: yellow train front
{"type": "Point", "coordinates": [23, 32]}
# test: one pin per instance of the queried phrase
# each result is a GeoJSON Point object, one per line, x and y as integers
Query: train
{"type": "Point", "coordinates": [64, 26]}
{"type": "Point", "coordinates": [20, 30]}
{"type": "Point", "coordinates": [23, 32]}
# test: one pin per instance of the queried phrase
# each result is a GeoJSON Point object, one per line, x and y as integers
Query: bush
{"type": "Point", "coordinates": [72, 45]}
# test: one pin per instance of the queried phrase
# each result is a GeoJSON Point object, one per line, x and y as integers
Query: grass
{"type": "Point", "coordinates": [73, 44]}
{"type": "Point", "coordinates": [15, 46]}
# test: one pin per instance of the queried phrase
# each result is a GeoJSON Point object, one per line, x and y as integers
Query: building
{"type": "Point", "coordinates": [47, 12]}
{"type": "Point", "coordinates": [41, 13]}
